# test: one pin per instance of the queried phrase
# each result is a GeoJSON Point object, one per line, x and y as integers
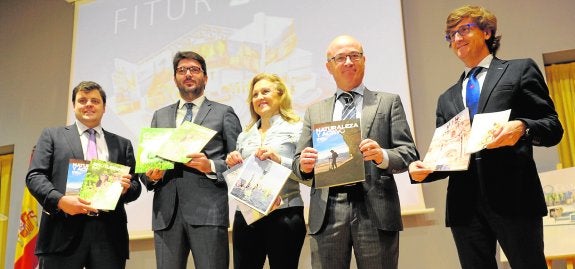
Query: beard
{"type": "Point", "coordinates": [193, 92]}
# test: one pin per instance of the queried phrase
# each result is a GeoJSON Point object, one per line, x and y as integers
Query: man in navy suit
{"type": "Point", "coordinates": [364, 216]}
{"type": "Point", "coordinates": [190, 210]}
{"type": "Point", "coordinates": [499, 198]}
{"type": "Point", "coordinates": [69, 237]}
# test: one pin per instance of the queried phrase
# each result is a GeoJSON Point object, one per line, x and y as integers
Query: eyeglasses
{"type": "Point", "coordinates": [182, 70]}
{"type": "Point", "coordinates": [463, 30]}
{"type": "Point", "coordinates": [341, 58]}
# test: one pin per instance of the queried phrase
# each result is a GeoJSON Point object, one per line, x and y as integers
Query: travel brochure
{"type": "Point", "coordinates": [447, 149]}
{"type": "Point", "coordinates": [151, 140]}
{"type": "Point", "coordinates": [339, 162]}
{"type": "Point", "coordinates": [256, 184]}
{"type": "Point", "coordinates": [101, 185]}
{"type": "Point", "coordinates": [454, 142]}
{"type": "Point", "coordinates": [186, 139]}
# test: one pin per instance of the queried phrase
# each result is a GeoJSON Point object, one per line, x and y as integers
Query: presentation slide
{"type": "Point", "coordinates": [127, 47]}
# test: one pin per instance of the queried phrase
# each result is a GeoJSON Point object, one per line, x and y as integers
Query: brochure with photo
{"type": "Point", "coordinates": [186, 139]}
{"type": "Point", "coordinates": [259, 183]}
{"type": "Point", "coordinates": [339, 162]}
{"type": "Point", "coordinates": [447, 148]}
{"type": "Point", "coordinates": [76, 173]}
{"type": "Point", "coordinates": [483, 128]}
{"type": "Point", "coordinates": [151, 139]}
{"type": "Point", "coordinates": [101, 185]}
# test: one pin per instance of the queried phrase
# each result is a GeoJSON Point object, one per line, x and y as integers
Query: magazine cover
{"type": "Point", "coordinates": [102, 184]}
{"type": "Point", "coordinates": [259, 183]}
{"type": "Point", "coordinates": [151, 139]}
{"type": "Point", "coordinates": [186, 139]}
{"type": "Point", "coordinates": [339, 162]}
{"type": "Point", "coordinates": [447, 149]}
{"type": "Point", "coordinates": [76, 172]}
{"type": "Point", "coordinates": [483, 128]}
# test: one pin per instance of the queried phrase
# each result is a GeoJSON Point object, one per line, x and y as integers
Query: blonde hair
{"type": "Point", "coordinates": [485, 20]}
{"type": "Point", "coordinates": [286, 111]}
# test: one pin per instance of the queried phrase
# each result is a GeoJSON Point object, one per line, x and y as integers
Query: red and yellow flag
{"type": "Point", "coordinates": [27, 233]}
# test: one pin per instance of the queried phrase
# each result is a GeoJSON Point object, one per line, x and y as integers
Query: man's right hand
{"type": "Point", "coordinates": [73, 205]}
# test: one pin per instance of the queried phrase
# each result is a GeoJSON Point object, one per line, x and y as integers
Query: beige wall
{"type": "Point", "coordinates": [35, 45]}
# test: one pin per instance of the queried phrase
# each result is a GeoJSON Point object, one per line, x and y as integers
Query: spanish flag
{"type": "Point", "coordinates": [27, 234]}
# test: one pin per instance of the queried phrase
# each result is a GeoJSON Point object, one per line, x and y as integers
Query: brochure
{"type": "Point", "coordinates": [102, 184]}
{"type": "Point", "coordinates": [151, 139]}
{"type": "Point", "coordinates": [340, 162]}
{"type": "Point", "coordinates": [186, 139]}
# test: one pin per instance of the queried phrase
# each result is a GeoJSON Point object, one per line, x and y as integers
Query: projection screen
{"type": "Point", "coordinates": [127, 47]}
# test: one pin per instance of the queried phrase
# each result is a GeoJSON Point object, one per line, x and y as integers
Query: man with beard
{"type": "Point", "coordinates": [190, 210]}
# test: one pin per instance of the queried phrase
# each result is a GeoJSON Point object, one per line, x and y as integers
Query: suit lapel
{"type": "Point", "coordinates": [371, 101]}
{"type": "Point", "coordinates": [203, 112]}
{"type": "Point", "coordinates": [494, 73]}
{"type": "Point", "coordinates": [113, 146]}
{"type": "Point", "coordinates": [457, 96]}
{"type": "Point", "coordinates": [73, 138]}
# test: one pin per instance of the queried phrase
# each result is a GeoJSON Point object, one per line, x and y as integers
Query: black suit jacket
{"type": "Point", "coordinates": [46, 180]}
{"type": "Point", "coordinates": [203, 201]}
{"type": "Point", "coordinates": [505, 178]}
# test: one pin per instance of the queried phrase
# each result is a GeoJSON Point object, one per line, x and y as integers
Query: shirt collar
{"type": "Point", "coordinates": [82, 128]}
{"type": "Point", "coordinates": [484, 63]}
{"type": "Point", "coordinates": [197, 102]}
{"type": "Point", "coordinates": [359, 90]}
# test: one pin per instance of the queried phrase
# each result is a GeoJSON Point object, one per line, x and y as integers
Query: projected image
{"type": "Point", "coordinates": [127, 47]}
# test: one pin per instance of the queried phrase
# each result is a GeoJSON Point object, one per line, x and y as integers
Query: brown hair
{"type": "Point", "coordinates": [485, 20]}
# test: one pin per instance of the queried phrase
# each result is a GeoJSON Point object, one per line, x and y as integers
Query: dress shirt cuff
{"type": "Point", "coordinates": [212, 175]}
{"type": "Point", "coordinates": [385, 163]}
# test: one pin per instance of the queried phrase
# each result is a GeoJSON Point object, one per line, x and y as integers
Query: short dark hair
{"type": "Point", "coordinates": [189, 55]}
{"type": "Point", "coordinates": [88, 86]}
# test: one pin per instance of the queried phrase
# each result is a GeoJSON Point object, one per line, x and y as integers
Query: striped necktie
{"type": "Point", "coordinates": [349, 110]}
{"type": "Point", "coordinates": [189, 112]}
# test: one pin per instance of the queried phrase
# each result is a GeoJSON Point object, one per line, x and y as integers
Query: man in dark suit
{"type": "Point", "coordinates": [190, 210]}
{"type": "Point", "coordinates": [499, 198]}
{"type": "Point", "coordinates": [69, 237]}
{"type": "Point", "coordinates": [366, 215]}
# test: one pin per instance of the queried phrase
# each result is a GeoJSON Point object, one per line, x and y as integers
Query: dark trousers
{"type": "Point", "coordinates": [279, 235]}
{"type": "Point", "coordinates": [521, 239]}
{"type": "Point", "coordinates": [93, 251]}
{"type": "Point", "coordinates": [347, 226]}
{"type": "Point", "coordinates": [208, 244]}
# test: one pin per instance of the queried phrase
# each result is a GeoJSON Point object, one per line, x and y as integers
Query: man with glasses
{"type": "Point", "coordinates": [365, 216]}
{"type": "Point", "coordinates": [499, 198]}
{"type": "Point", "coordinates": [190, 211]}
{"type": "Point", "coordinates": [72, 233]}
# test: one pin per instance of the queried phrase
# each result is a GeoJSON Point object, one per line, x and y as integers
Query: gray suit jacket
{"type": "Point", "coordinates": [382, 120]}
{"type": "Point", "coordinates": [202, 200]}
{"type": "Point", "coordinates": [46, 181]}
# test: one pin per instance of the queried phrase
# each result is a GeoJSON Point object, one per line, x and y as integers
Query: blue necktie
{"type": "Point", "coordinates": [472, 91]}
{"type": "Point", "coordinates": [348, 105]}
{"type": "Point", "coordinates": [189, 112]}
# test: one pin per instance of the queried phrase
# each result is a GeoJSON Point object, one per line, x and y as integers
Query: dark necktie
{"type": "Point", "coordinates": [92, 151]}
{"type": "Point", "coordinates": [473, 91]}
{"type": "Point", "coordinates": [189, 112]}
{"type": "Point", "coordinates": [349, 110]}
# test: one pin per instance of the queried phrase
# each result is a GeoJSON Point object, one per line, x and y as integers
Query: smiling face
{"type": "Point", "coordinates": [265, 99]}
{"type": "Point", "coordinates": [89, 108]}
{"type": "Point", "coordinates": [347, 74]}
{"type": "Point", "coordinates": [471, 47]}
{"type": "Point", "coordinates": [191, 85]}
